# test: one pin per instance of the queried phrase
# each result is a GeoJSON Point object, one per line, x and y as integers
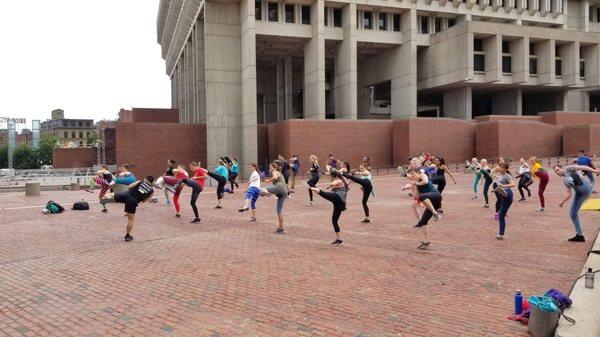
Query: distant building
{"type": "Point", "coordinates": [25, 137]}
{"type": "Point", "coordinates": [70, 132]}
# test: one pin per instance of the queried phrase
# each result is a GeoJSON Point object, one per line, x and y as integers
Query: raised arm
{"type": "Point", "coordinates": [445, 168]}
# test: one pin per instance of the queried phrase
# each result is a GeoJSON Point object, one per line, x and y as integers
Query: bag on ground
{"type": "Point", "coordinates": [54, 207]}
{"type": "Point", "coordinates": [81, 206]}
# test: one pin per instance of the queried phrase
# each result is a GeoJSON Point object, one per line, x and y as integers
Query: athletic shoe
{"type": "Point", "coordinates": [167, 203]}
{"type": "Point", "coordinates": [104, 210]}
{"type": "Point", "coordinates": [473, 197]}
{"type": "Point", "coordinates": [366, 221]}
{"type": "Point", "coordinates": [292, 191]}
{"type": "Point", "coordinates": [500, 237]}
{"type": "Point", "coordinates": [437, 217]}
{"type": "Point", "coordinates": [305, 184]}
{"type": "Point", "coordinates": [218, 207]}
{"type": "Point", "coordinates": [154, 200]}
{"type": "Point", "coordinates": [88, 190]}
{"type": "Point", "coordinates": [128, 237]}
{"type": "Point", "coordinates": [543, 209]}
{"type": "Point", "coordinates": [310, 203]}
{"type": "Point", "coordinates": [244, 209]}
{"type": "Point", "coordinates": [230, 192]}
{"type": "Point", "coordinates": [178, 215]}
{"type": "Point", "coordinates": [337, 242]}
{"type": "Point", "coordinates": [441, 211]}
{"type": "Point", "coordinates": [280, 231]}
{"type": "Point", "coordinates": [577, 238]}
{"type": "Point", "coordinates": [424, 245]}
{"type": "Point", "coordinates": [486, 206]}
{"type": "Point", "coordinates": [496, 216]}
{"type": "Point", "coordinates": [252, 219]}
{"type": "Point", "coordinates": [522, 199]}
{"type": "Point", "coordinates": [529, 194]}
{"type": "Point", "coordinates": [196, 220]}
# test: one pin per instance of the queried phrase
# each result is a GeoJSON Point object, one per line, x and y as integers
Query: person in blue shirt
{"type": "Point", "coordinates": [584, 160]}
{"type": "Point", "coordinates": [220, 175]}
{"type": "Point", "coordinates": [233, 173]}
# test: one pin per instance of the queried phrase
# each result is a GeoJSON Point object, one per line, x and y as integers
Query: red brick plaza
{"type": "Point", "coordinates": [73, 275]}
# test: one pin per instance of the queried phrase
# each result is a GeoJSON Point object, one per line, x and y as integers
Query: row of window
{"type": "Point", "coordinates": [66, 123]}
{"type": "Point", "coordinates": [73, 134]}
{"type": "Point", "coordinates": [479, 59]}
{"type": "Point", "coordinates": [289, 13]}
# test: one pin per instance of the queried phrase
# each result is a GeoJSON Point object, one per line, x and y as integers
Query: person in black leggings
{"type": "Point", "coordinates": [439, 178]}
{"type": "Point", "coordinates": [220, 175]}
{"type": "Point", "coordinates": [430, 197]}
{"type": "Point", "coordinates": [364, 180]}
{"type": "Point", "coordinates": [337, 196]}
{"type": "Point", "coordinates": [196, 189]}
{"type": "Point", "coordinates": [314, 177]}
{"type": "Point", "coordinates": [525, 179]}
{"type": "Point", "coordinates": [487, 177]}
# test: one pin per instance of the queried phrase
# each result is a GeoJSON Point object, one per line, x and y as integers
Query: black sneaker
{"type": "Point", "coordinates": [337, 242]}
{"type": "Point", "coordinates": [280, 231]}
{"type": "Point", "coordinates": [178, 215]}
{"type": "Point", "coordinates": [128, 237]}
{"type": "Point", "coordinates": [366, 221]}
{"type": "Point", "coordinates": [197, 220]}
{"type": "Point", "coordinates": [104, 210]}
{"type": "Point", "coordinates": [218, 207]}
{"type": "Point", "coordinates": [577, 238]}
{"type": "Point", "coordinates": [522, 199]}
{"type": "Point", "coordinates": [424, 245]}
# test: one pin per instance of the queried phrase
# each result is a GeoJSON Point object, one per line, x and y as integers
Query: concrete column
{"type": "Point", "coordinates": [314, 65]}
{"type": "Point", "coordinates": [280, 80]}
{"type": "Point", "coordinates": [186, 84]}
{"type": "Point", "coordinates": [288, 87]}
{"type": "Point", "coordinates": [193, 88]}
{"type": "Point", "coordinates": [180, 86]}
{"type": "Point", "coordinates": [576, 100]}
{"type": "Point", "coordinates": [507, 102]}
{"type": "Point", "coordinates": [591, 55]}
{"type": "Point", "coordinates": [544, 7]}
{"type": "Point", "coordinates": [249, 146]}
{"type": "Point", "coordinates": [346, 81]}
{"type": "Point", "coordinates": [570, 63]}
{"type": "Point", "coordinates": [173, 91]}
{"type": "Point", "coordinates": [200, 74]}
{"type": "Point", "coordinates": [223, 50]}
{"type": "Point", "coordinates": [546, 67]}
{"type": "Point", "coordinates": [492, 46]}
{"type": "Point", "coordinates": [519, 49]}
{"type": "Point", "coordinates": [458, 103]}
{"type": "Point", "coordinates": [584, 16]}
{"type": "Point", "coordinates": [404, 69]}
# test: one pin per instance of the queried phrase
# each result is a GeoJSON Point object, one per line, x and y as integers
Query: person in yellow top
{"type": "Point", "coordinates": [538, 171]}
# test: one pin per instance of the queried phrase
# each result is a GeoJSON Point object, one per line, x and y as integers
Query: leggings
{"type": "Point", "coordinates": [312, 182]}
{"type": "Point", "coordinates": [582, 193]}
{"type": "Point", "coordinates": [338, 207]}
{"type": "Point", "coordinates": [281, 196]}
{"type": "Point", "coordinates": [523, 184]}
{"type": "Point", "coordinates": [221, 181]}
{"type": "Point", "coordinates": [440, 181]}
{"type": "Point", "coordinates": [176, 199]}
{"type": "Point", "coordinates": [505, 203]}
{"type": "Point", "coordinates": [486, 190]}
{"type": "Point", "coordinates": [476, 180]}
{"type": "Point", "coordinates": [544, 179]}
{"type": "Point", "coordinates": [367, 188]}
{"type": "Point", "coordinates": [196, 189]}
{"type": "Point", "coordinates": [436, 201]}
{"type": "Point", "coordinates": [498, 198]}
{"type": "Point", "coordinates": [232, 177]}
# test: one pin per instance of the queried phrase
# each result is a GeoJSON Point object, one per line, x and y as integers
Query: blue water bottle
{"type": "Point", "coordinates": [518, 303]}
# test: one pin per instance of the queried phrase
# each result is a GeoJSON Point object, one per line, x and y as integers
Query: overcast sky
{"type": "Point", "coordinates": [89, 58]}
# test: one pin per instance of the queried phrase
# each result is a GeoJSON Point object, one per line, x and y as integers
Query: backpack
{"type": "Point", "coordinates": [81, 206]}
{"type": "Point", "coordinates": [54, 207]}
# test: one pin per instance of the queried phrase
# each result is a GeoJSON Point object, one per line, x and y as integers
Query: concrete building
{"type": "Point", "coordinates": [235, 65]}
{"type": "Point", "coordinates": [70, 132]}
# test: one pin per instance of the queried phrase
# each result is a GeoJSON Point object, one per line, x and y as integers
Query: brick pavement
{"type": "Point", "coordinates": [72, 275]}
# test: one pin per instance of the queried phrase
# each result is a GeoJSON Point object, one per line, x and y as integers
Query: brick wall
{"type": "Point", "coordinates": [148, 146]}
{"type": "Point", "coordinates": [516, 139]}
{"type": "Point", "coordinates": [348, 140]}
{"type": "Point", "coordinates": [566, 118]}
{"type": "Point", "coordinates": [453, 139]}
{"type": "Point", "coordinates": [583, 137]}
{"type": "Point", "coordinates": [72, 158]}
{"type": "Point", "coordinates": [148, 115]}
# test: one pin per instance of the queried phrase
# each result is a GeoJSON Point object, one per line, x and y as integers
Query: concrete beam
{"type": "Point", "coordinates": [404, 69]}
{"type": "Point", "coordinates": [346, 81]}
{"type": "Point", "coordinates": [314, 64]}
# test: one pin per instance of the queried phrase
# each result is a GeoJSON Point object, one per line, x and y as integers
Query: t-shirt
{"type": "Point", "coordinates": [142, 191]}
{"type": "Point", "coordinates": [584, 161]}
{"type": "Point", "coordinates": [169, 171]}
{"type": "Point", "coordinates": [254, 180]}
{"type": "Point", "coordinates": [572, 178]}
{"type": "Point", "coordinates": [234, 168]}
{"type": "Point", "coordinates": [505, 179]}
{"type": "Point", "coordinates": [222, 171]}
{"type": "Point", "coordinates": [333, 163]}
{"type": "Point", "coordinates": [200, 172]}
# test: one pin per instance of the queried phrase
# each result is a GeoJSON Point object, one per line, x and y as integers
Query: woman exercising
{"type": "Point", "coordinates": [539, 172]}
{"type": "Point", "coordinates": [431, 199]}
{"type": "Point", "coordinates": [524, 179]}
{"type": "Point", "coordinates": [252, 193]}
{"type": "Point", "coordinates": [337, 196]}
{"type": "Point", "coordinates": [363, 178]}
{"type": "Point", "coordinates": [314, 177]}
{"type": "Point", "coordinates": [279, 189]}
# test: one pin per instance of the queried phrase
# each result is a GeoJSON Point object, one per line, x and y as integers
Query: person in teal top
{"type": "Point", "coordinates": [222, 170]}
{"type": "Point", "coordinates": [221, 174]}
{"type": "Point", "coordinates": [233, 174]}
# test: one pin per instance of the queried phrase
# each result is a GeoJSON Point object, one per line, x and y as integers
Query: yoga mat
{"type": "Point", "coordinates": [591, 205]}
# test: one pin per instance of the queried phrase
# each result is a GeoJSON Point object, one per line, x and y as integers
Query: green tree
{"type": "Point", "coordinates": [92, 139]}
{"type": "Point", "coordinates": [25, 157]}
{"type": "Point", "coordinates": [45, 149]}
{"type": "Point", "coordinates": [4, 156]}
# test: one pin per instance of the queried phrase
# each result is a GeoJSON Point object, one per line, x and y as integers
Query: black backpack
{"type": "Point", "coordinates": [81, 206]}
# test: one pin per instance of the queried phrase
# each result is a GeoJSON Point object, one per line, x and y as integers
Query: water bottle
{"type": "Point", "coordinates": [589, 279]}
{"type": "Point", "coordinates": [518, 303]}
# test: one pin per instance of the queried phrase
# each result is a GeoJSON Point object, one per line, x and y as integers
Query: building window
{"type": "Point", "coordinates": [557, 62]}
{"type": "Point", "coordinates": [396, 19]}
{"type": "Point", "coordinates": [532, 60]}
{"type": "Point", "coordinates": [273, 11]}
{"type": "Point", "coordinates": [367, 20]}
{"type": "Point", "coordinates": [73, 134]}
{"type": "Point", "coordinates": [80, 124]}
{"type": "Point", "coordinates": [337, 17]}
{"type": "Point", "coordinates": [80, 134]}
{"type": "Point", "coordinates": [437, 23]}
{"type": "Point", "coordinates": [289, 13]}
{"type": "Point", "coordinates": [87, 135]}
{"type": "Point", "coordinates": [306, 15]}
{"type": "Point", "coordinates": [478, 56]}
{"type": "Point", "coordinates": [581, 68]}
{"type": "Point", "coordinates": [423, 25]}
{"type": "Point", "coordinates": [66, 134]}
{"type": "Point", "coordinates": [258, 10]}
{"type": "Point", "coordinates": [383, 21]}
{"type": "Point", "coordinates": [451, 22]}
{"type": "Point", "coordinates": [506, 59]}
{"type": "Point", "coordinates": [326, 12]}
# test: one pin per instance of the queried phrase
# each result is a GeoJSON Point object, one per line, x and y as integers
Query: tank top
{"type": "Point", "coordinates": [426, 188]}
{"type": "Point", "coordinates": [439, 172]}
{"type": "Point", "coordinates": [280, 182]}
{"type": "Point", "coordinates": [314, 170]}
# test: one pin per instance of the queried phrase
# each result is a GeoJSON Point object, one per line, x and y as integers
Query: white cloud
{"type": "Point", "coordinates": [89, 58]}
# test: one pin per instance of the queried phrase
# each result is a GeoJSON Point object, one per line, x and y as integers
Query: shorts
{"type": "Point", "coordinates": [126, 198]}
{"type": "Point", "coordinates": [252, 194]}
